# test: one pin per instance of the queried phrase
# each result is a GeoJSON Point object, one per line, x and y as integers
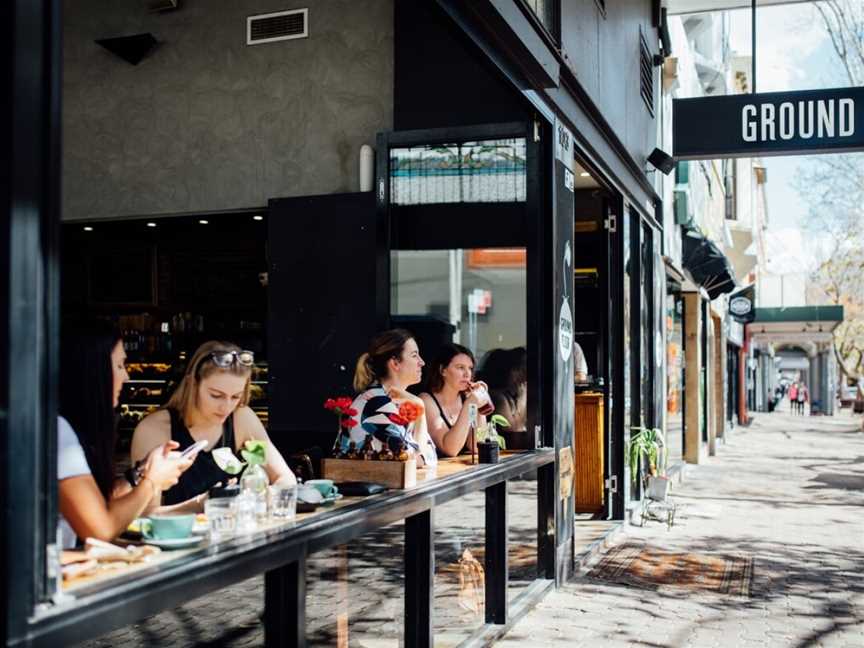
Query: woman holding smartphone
{"type": "Point", "coordinates": [450, 389]}
{"type": "Point", "coordinates": [210, 404]}
{"type": "Point", "coordinates": [92, 503]}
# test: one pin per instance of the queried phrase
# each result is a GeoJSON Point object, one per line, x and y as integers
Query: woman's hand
{"type": "Point", "coordinates": [472, 398]}
{"type": "Point", "coordinates": [397, 394]}
{"type": "Point", "coordinates": [162, 470]}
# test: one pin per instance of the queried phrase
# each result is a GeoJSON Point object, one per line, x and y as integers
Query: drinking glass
{"type": "Point", "coordinates": [283, 501]}
{"type": "Point", "coordinates": [221, 517]}
{"type": "Point", "coordinates": [246, 512]}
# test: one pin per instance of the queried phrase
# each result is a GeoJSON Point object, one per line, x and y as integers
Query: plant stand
{"type": "Point", "coordinates": [660, 511]}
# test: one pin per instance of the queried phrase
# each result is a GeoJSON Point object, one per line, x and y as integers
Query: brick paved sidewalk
{"type": "Point", "coordinates": [788, 490]}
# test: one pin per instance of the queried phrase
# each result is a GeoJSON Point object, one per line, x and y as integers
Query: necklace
{"type": "Point", "coordinates": [450, 414]}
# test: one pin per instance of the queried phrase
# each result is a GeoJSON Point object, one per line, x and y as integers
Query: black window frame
{"type": "Point", "coordinates": [551, 32]}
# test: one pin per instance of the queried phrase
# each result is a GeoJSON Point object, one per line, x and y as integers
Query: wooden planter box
{"type": "Point", "coordinates": [393, 474]}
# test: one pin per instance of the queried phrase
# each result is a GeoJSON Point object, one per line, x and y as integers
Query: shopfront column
{"type": "Point", "coordinates": [815, 383]}
{"type": "Point", "coordinates": [719, 383]}
{"type": "Point", "coordinates": [692, 370]}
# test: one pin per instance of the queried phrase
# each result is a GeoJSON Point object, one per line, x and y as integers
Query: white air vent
{"type": "Point", "coordinates": [278, 26]}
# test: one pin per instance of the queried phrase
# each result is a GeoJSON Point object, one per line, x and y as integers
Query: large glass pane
{"type": "Point", "coordinates": [522, 533]}
{"type": "Point", "coordinates": [675, 376]}
{"type": "Point", "coordinates": [356, 593]}
{"type": "Point", "coordinates": [627, 278]}
{"type": "Point", "coordinates": [645, 327]}
{"type": "Point", "coordinates": [487, 171]}
{"type": "Point", "coordinates": [473, 297]}
{"type": "Point", "coordinates": [460, 594]}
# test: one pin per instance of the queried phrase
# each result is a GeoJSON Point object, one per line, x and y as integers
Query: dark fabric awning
{"type": "Point", "coordinates": [707, 264]}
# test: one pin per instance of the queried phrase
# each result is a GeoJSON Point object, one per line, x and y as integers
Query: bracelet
{"type": "Point", "coordinates": [153, 488]}
{"type": "Point", "coordinates": [133, 474]}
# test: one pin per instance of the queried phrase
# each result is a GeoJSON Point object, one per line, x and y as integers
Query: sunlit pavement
{"type": "Point", "coordinates": [788, 490]}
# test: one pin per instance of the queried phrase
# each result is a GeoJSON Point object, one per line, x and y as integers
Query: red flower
{"type": "Point", "coordinates": [339, 406]}
{"type": "Point", "coordinates": [398, 420]}
{"type": "Point", "coordinates": [348, 423]}
{"type": "Point", "coordinates": [410, 411]}
{"type": "Point", "coordinates": [350, 412]}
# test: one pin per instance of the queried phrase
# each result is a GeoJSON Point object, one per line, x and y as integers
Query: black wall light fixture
{"type": "Point", "coordinates": [662, 161]}
{"type": "Point", "coordinates": [131, 49]}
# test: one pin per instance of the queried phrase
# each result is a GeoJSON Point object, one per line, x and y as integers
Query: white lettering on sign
{"type": "Point", "coordinates": [748, 126]}
{"type": "Point", "coordinates": [822, 118]}
{"type": "Point", "coordinates": [805, 120]}
{"type": "Point", "coordinates": [787, 120]}
{"type": "Point", "coordinates": [767, 122]}
{"type": "Point", "coordinates": [847, 117]}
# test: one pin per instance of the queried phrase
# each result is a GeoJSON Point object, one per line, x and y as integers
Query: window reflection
{"type": "Point", "coordinates": [472, 297]}
{"type": "Point", "coordinates": [479, 172]}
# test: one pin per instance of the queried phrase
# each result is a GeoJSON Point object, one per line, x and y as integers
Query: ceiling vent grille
{"type": "Point", "coordinates": [278, 26]}
{"type": "Point", "coordinates": [646, 73]}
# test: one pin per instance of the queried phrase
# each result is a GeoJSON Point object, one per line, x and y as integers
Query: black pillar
{"type": "Point", "coordinates": [419, 579]}
{"type": "Point", "coordinates": [496, 567]}
{"type": "Point", "coordinates": [285, 606]}
{"type": "Point", "coordinates": [29, 303]}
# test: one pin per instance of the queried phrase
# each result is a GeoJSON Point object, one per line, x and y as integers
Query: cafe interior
{"type": "Point", "coordinates": [448, 232]}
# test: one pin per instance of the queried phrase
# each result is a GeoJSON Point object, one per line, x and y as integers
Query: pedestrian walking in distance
{"type": "Point", "coordinates": [802, 398]}
{"type": "Point", "coordinates": [793, 398]}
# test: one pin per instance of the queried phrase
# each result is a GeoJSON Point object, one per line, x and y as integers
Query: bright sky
{"type": "Point", "coordinates": [793, 52]}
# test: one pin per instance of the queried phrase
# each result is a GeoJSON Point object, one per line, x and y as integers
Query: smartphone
{"type": "Point", "coordinates": [195, 447]}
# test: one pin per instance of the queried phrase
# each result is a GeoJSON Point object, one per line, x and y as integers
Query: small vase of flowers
{"type": "Point", "coordinates": [341, 407]}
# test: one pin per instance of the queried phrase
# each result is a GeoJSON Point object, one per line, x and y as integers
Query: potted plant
{"type": "Point", "coordinates": [489, 443]}
{"type": "Point", "coordinates": [647, 449]}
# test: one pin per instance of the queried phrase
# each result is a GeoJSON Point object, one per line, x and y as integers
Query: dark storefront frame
{"type": "Point", "coordinates": [460, 225]}
{"type": "Point", "coordinates": [33, 46]}
{"type": "Point", "coordinates": [29, 301]}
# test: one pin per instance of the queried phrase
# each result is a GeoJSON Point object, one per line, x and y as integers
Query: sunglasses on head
{"type": "Point", "coordinates": [224, 359]}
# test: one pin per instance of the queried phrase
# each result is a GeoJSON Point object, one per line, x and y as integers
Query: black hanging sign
{"type": "Point", "coordinates": [770, 123]}
{"type": "Point", "coordinates": [742, 304]}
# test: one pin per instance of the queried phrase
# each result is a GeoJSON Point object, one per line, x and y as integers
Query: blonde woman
{"type": "Point", "coordinates": [382, 376]}
{"type": "Point", "coordinates": [210, 404]}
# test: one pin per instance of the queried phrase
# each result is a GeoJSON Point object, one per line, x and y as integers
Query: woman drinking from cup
{"type": "Point", "coordinates": [450, 391]}
{"type": "Point", "coordinates": [382, 376]}
{"type": "Point", "coordinates": [92, 505]}
{"type": "Point", "coordinates": [210, 404]}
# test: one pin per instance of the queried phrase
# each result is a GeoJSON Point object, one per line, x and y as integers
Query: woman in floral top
{"type": "Point", "coordinates": [387, 415]}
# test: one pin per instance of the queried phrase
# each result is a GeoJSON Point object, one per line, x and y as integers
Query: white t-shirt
{"type": "Point", "coordinates": [71, 462]}
{"type": "Point", "coordinates": [579, 363]}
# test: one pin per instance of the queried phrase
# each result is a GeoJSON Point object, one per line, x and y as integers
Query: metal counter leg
{"type": "Point", "coordinates": [285, 606]}
{"type": "Point", "coordinates": [419, 579]}
{"type": "Point", "coordinates": [496, 566]}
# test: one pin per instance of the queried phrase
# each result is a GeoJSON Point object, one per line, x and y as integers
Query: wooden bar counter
{"type": "Point", "coordinates": [588, 453]}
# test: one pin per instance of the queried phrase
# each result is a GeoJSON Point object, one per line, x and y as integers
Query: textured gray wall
{"type": "Point", "coordinates": [207, 123]}
{"type": "Point", "coordinates": [604, 52]}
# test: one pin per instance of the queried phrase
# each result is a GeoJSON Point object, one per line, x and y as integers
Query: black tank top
{"type": "Point", "coordinates": [449, 425]}
{"type": "Point", "coordinates": [204, 473]}
{"type": "Point", "coordinates": [441, 409]}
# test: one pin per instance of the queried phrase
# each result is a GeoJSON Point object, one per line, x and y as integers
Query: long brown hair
{"type": "Point", "coordinates": [372, 365]}
{"type": "Point", "coordinates": [200, 367]}
{"type": "Point", "coordinates": [87, 393]}
{"type": "Point", "coordinates": [435, 382]}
